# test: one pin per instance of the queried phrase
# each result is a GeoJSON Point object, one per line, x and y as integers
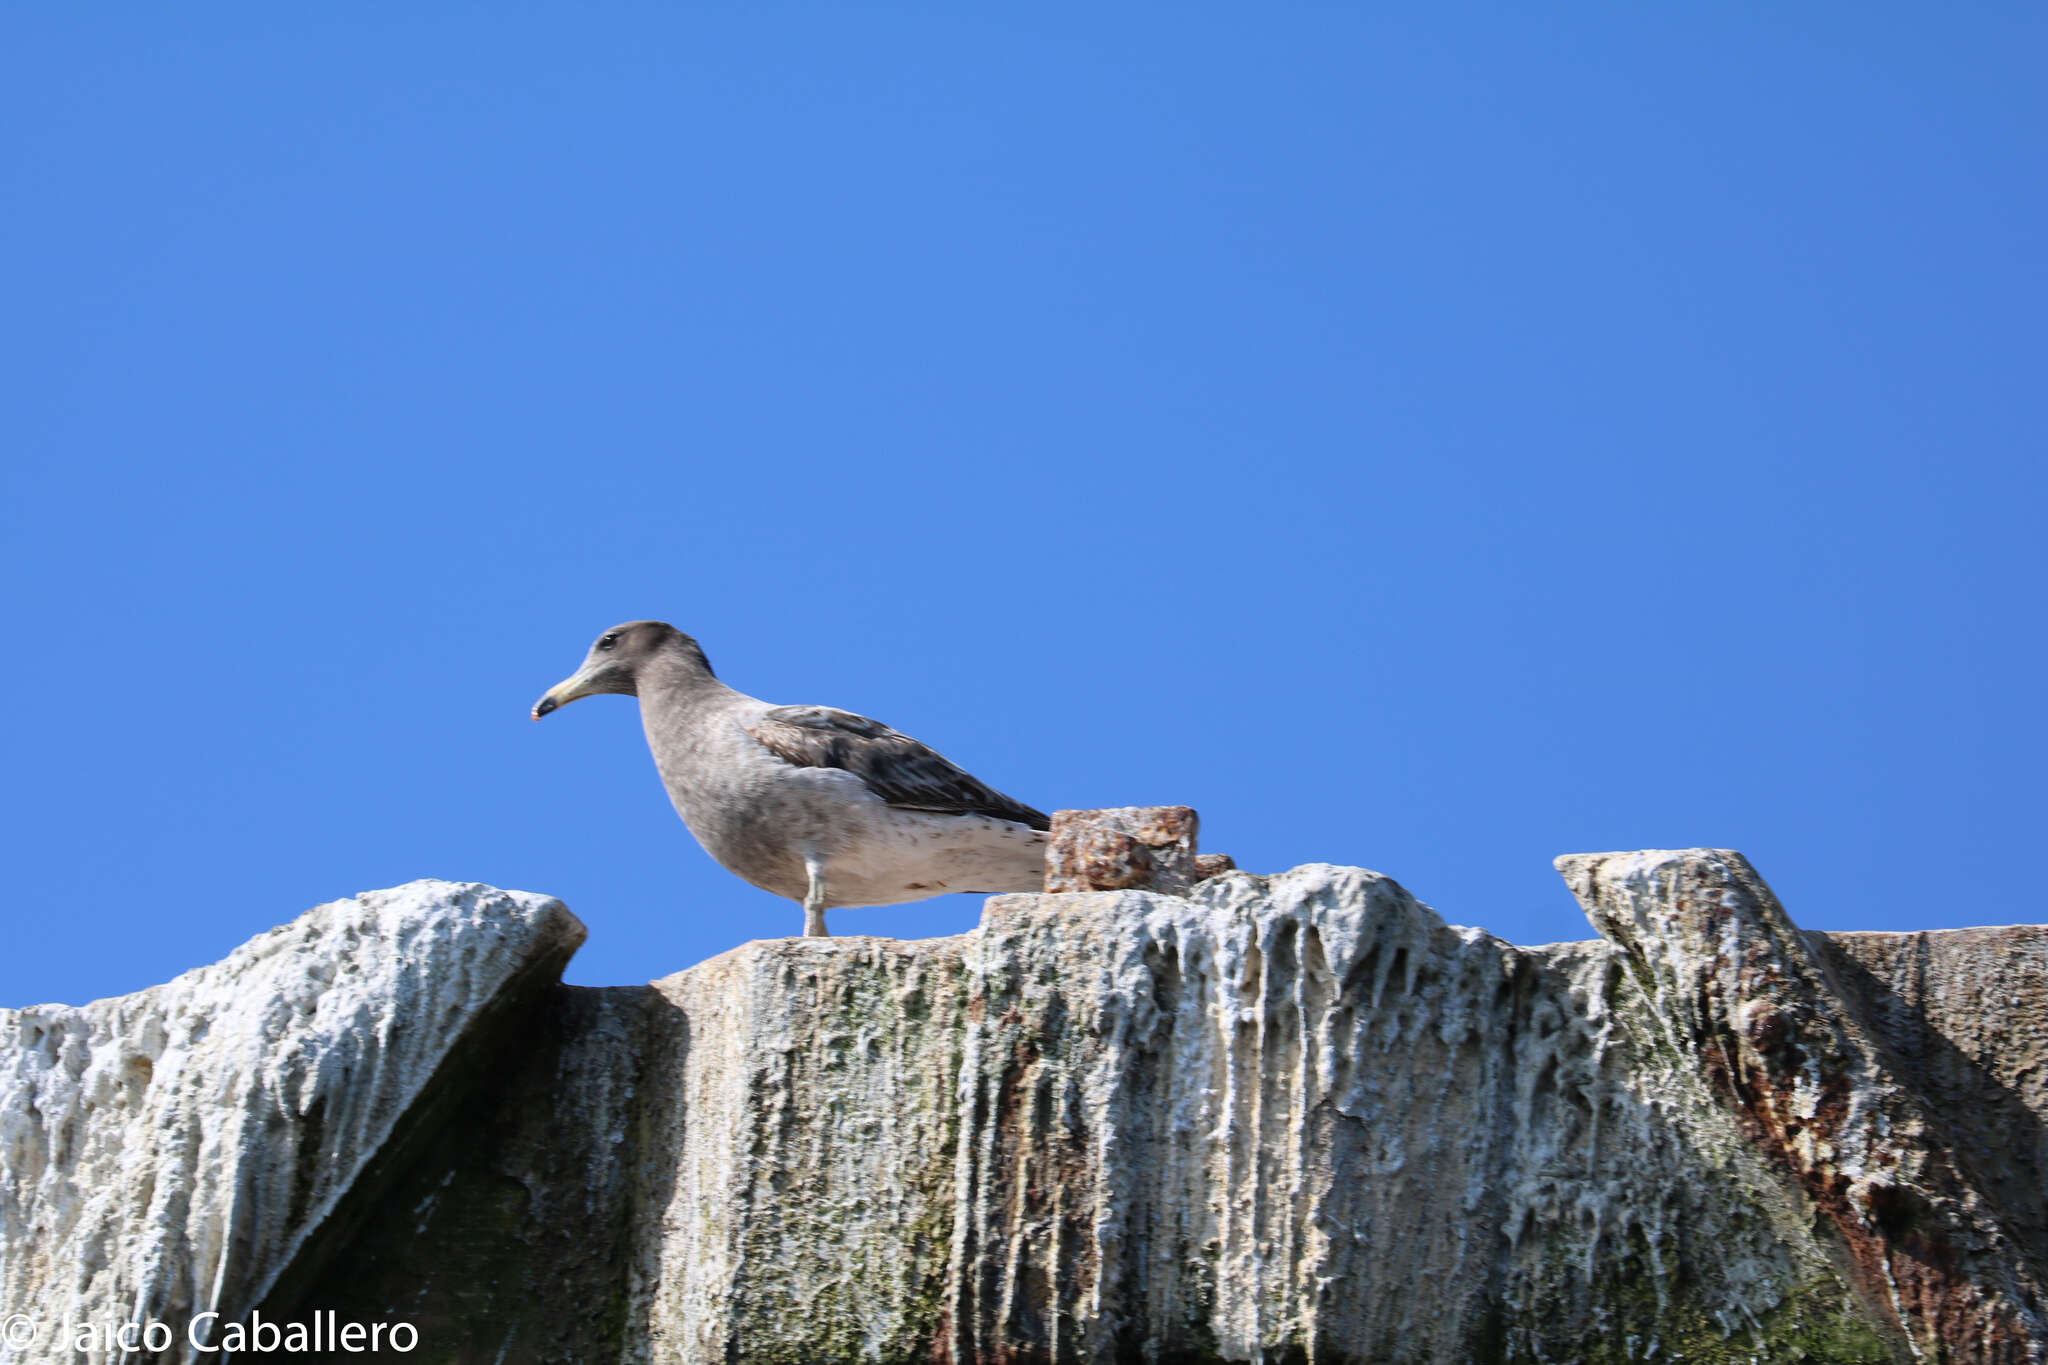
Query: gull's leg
{"type": "Point", "coordinates": [814, 898]}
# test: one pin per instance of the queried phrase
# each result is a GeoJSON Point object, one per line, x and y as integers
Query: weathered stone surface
{"type": "Point", "coordinates": [1120, 848]}
{"type": "Point", "coordinates": [1295, 1117]}
{"type": "Point", "coordinates": [1965, 1014]}
{"type": "Point", "coordinates": [1301, 1117]}
{"type": "Point", "coordinates": [1940, 1258]}
{"type": "Point", "coordinates": [1274, 1119]}
{"type": "Point", "coordinates": [802, 1138]}
{"type": "Point", "coordinates": [506, 1239]}
{"type": "Point", "coordinates": [759, 1150]}
{"type": "Point", "coordinates": [177, 1150]}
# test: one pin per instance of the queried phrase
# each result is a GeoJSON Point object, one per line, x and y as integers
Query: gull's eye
{"type": "Point", "coordinates": [607, 642]}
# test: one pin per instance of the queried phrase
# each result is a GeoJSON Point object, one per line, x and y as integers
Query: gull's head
{"type": "Point", "coordinates": [616, 662]}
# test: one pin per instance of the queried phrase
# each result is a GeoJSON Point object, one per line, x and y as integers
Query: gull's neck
{"type": "Point", "coordinates": [681, 705]}
{"type": "Point", "coordinates": [675, 683]}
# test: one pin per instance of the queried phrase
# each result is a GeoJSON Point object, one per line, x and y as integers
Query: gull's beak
{"type": "Point", "coordinates": [561, 694]}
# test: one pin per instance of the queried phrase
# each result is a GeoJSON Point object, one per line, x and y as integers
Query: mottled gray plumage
{"type": "Point", "coordinates": [820, 805]}
{"type": "Point", "coordinates": [895, 767]}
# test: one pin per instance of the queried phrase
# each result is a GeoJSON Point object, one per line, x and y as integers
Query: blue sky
{"type": "Point", "coordinates": [1427, 437]}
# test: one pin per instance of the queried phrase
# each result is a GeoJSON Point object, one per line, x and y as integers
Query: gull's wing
{"type": "Point", "coordinates": [894, 766]}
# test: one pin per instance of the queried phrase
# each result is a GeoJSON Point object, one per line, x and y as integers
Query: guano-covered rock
{"type": "Point", "coordinates": [1284, 1118]}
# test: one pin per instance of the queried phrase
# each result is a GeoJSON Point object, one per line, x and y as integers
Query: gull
{"type": "Point", "coordinates": [810, 802]}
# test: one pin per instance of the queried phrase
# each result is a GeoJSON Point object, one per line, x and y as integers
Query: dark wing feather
{"type": "Point", "coordinates": [894, 766]}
